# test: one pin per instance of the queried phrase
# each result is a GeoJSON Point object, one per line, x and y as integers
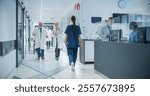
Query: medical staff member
{"type": "Point", "coordinates": [40, 35]}
{"type": "Point", "coordinates": [49, 37]}
{"type": "Point", "coordinates": [104, 31]}
{"type": "Point", "coordinates": [57, 37]}
{"type": "Point", "coordinates": [133, 38]}
{"type": "Point", "coordinates": [73, 41]}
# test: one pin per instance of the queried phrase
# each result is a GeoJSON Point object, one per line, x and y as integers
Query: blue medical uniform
{"type": "Point", "coordinates": [73, 32]}
{"type": "Point", "coordinates": [133, 37]}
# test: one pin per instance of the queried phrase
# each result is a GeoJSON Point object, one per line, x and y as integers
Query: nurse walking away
{"type": "Point", "coordinates": [57, 35]}
{"type": "Point", "coordinates": [40, 35]}
{"type": "Point", "coordinates": [73, 41]}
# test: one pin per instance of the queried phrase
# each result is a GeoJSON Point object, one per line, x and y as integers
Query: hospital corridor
{"type": "Point", "coordinates": [50, 68]}
{"type": "Point", "coordinates": [74, 39]}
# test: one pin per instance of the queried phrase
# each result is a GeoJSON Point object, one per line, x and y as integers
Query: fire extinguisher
{"type": "Point", "coordinates": [78, 6]}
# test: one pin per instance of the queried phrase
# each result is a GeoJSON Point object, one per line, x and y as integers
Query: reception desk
{"type": "Point", "coordinates": [122, 60]}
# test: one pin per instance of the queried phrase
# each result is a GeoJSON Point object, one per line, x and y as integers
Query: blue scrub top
{"type": "Point", "coordinates": [73, 35]}
{"type": "Point", "coordinates": [133, 37]}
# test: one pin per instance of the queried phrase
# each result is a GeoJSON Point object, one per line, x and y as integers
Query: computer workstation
{"type": "Point", "coordinates": [119, 60]}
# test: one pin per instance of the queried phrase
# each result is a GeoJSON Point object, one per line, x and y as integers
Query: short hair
{"type": "Point", "coordinates": [40, 22]}
{"type": "Point", "coordinates": [133, 25]}
{"type": "Point", "coordinates": [110, 18]}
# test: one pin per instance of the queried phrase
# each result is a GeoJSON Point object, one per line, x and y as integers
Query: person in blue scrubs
{"type": "Point", "coordinates": [133, 38]}
{"type": "Point", "coordinates": [73, 41]}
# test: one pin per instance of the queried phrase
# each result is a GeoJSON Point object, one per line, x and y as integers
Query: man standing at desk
{"type": "Point", "coordinates": [104, 32]}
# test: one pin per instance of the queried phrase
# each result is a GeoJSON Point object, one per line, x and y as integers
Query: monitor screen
{"type": "Point", "coordinates": [96, 19]}
{"type": "Point", "coordinates": [148, 34]}
{"type": "Point", "coordinates": [116, 35]}
{"type": "Point", "coordinates": [141, 35]}
{"type": "Point", "coordinates": [120, 18]}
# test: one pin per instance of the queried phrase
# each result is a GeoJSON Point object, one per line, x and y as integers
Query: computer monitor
{"type": "Point", "coordinates": [147, 34]}
{"type": "Point", "coordinates": [116, 35]}
{"type": "Point", "coordinates": [96, 19]}
{"type": "Point", "coordinates": [120, 18]}
{"type": "Point", "coordinates": [141, 34]}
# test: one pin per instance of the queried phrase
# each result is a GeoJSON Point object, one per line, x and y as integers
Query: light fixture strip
{"type": "Point", "coordinates": [41, 11]}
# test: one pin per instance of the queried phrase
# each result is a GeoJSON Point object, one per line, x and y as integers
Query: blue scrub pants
{"type": "Point", "coordinates": [72, 54]}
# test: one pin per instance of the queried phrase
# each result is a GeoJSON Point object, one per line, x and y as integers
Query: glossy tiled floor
{"type": "Point", "coordinates": [31, 68]}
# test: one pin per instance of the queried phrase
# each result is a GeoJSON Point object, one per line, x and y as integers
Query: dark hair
{"type": "Point", "coordinates": [73, 19]}
{"type": "Point", "coordinates": [110, 18]}
{"type": "Point", "coordinates": [133, 25]}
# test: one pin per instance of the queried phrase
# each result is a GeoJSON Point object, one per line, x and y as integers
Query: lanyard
{"type": "Point", "coordinates": [56, 42]}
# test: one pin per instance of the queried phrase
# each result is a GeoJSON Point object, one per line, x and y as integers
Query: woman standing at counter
{"type": "Point", "coordinates": [133, 38]}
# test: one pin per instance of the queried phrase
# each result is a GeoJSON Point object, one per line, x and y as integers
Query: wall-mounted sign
{"type": "Point", "coordinates": [96, 19]}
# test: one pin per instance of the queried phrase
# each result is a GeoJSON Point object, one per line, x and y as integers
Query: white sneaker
{"type": "Point", "coordinates": [72, 66]}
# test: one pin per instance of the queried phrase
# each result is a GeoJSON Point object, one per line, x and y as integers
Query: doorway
{"type": "Point", "coordinates": [19, 34]}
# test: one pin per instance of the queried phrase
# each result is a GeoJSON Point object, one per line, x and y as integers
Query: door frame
{"type": "Point", "coordinates": [17, 44]}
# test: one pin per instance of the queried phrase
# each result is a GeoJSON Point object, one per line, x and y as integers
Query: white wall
{"type": "Point", "coordinates": [65, 20]}
{"type": "Point", "coordinates": [7, 32]}
{"type": "Point", "coordinates": [8, 20]}
{"type": "Point", "coordinates": [7, 63]}
{"type": "Point", "coordinates": [105, 8]}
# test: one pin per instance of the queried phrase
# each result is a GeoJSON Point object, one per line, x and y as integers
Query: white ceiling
{"type": "Point", "coordinates": [47, 10]}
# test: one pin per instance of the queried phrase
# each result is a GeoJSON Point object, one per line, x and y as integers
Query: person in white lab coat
{"type": "Point", "coordinates": [104, 31]}
{"type": "Point", "coordinates": [57, 37]}
{"type": "Point", "coordinates": [40, 35]}
{"type": "Point", "coordinates": [49, 37]}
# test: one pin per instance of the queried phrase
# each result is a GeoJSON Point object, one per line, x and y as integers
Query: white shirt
{"type": "Point", "coordinates": [57, 34]}
{"type": "Point", "coordinates": [103, 31]}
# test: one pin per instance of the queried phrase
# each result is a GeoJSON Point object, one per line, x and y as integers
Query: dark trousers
{"type": "Point", "coordinates": [40, 52]}
{"type": "Point", "coordinates": [57, 50]}
{"type": "Point", "coordinates": [57, 53]}
{"type": "Point", "coordinates": [72, 54]}
{"type": "Point", "coordinates": [48, 44]}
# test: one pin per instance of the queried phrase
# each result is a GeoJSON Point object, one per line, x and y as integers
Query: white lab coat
{"type": "Point", "coordinates": [59, 38]}
{"type": "Point", "coordinates": [49, 34]}
{"type": "Point", "coordinates": [103, 31]}
{"type": "Point", "coordinates": [40, 42]}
